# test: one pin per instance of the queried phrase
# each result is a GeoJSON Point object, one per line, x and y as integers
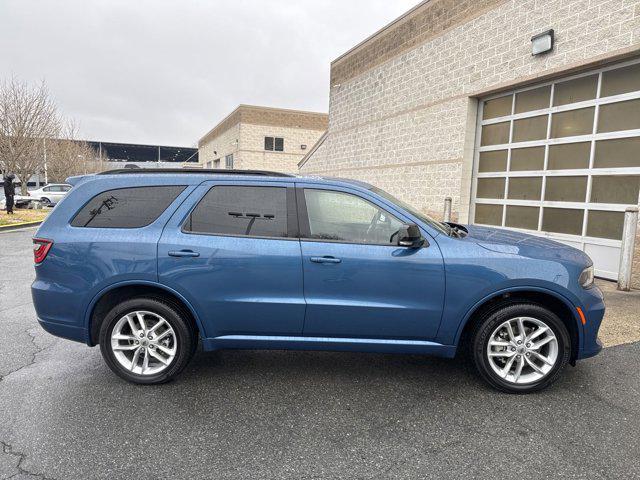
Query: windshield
{"type": "Point", "coordinates": [439, 226]}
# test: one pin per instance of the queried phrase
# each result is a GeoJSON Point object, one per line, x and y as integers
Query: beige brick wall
{"type": "Point", "coordinates": [254, 155]}
{"type": "Point", "coordinates": [224, 144]}
{"type": "Point", "coordinates": [242, 133]}
{"type": "Point", "coordinates": [415, 107]}
{"type": "Point", "coordinates": [408, 124]}
{"type": "Point", "coordinates": [249, 150]}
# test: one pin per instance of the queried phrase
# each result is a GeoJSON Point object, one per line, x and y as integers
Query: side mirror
{"type": "Point", "coordinates": [409, 236]}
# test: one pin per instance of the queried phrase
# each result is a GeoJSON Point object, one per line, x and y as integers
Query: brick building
{"type": "Point", "coordinates": [449, 100]}
{"type": "Point", "coordinates": [261, 138]}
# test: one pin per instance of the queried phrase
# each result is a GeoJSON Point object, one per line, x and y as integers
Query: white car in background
{"type": "Point", "coordinates": [50, 194]}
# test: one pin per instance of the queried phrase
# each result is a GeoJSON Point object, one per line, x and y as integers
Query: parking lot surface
{"type": "Point", "coordinates": [275, 414]}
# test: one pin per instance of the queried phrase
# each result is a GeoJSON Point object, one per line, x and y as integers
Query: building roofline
{"type": "Point", "coordinates": [155, 145]}
{"type": "Point", "coordinates": [245, 108]}
{"type": "Point", "coordinates": [317, 145]}
{"type": "Point", "coordinates": [426, 21]}
{"type": "Point", "coordinates": [380, 31]}
{"type": "Point", "coordinates": [276, 109]}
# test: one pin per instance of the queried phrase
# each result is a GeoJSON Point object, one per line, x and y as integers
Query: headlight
{"type": "Point", "coordinates": [586, 277]}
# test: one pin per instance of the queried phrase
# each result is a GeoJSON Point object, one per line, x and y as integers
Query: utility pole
{"type": "Point", "coordinates": [46, 176]}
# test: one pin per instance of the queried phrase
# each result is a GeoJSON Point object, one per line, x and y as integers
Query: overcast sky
{"type": "Point", "coordinates": [159, 71]}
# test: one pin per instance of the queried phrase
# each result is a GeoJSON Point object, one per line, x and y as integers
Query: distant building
{"type": "Point", "coordinates": [134, 155]}
{"type": "Point", "coordinates": [261, 138]}
{"type": "Point", "coordinates": [121, 155]}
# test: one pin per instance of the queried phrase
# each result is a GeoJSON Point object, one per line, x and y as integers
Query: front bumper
{"type": "Point", "coordinates": [593, 308]}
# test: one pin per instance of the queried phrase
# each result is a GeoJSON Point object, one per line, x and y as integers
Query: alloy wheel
{"type": "Point", "coordinates": [522, 350]}
{"type": "Point", "coordinates": [143, 343]}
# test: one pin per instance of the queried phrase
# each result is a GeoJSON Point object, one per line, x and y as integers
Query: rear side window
{"type": "Point", "coordinates": [247, 211]}
{"type": "Point", "coordinates": [127, 207]}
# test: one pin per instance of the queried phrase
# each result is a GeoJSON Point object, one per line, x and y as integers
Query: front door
{"type": "Point", "coordinates": [235, 257]}
{"type": "Point", "coordinates": [357, 282]}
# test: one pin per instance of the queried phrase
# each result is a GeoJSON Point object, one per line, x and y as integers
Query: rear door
{"type": "Point", "coordinates": [357, 282]}
{"type": "Point", "coordinates": [232, 250]}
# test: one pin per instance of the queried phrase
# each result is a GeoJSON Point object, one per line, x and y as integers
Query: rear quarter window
{"type": "Point", "coordinates": [132, 207]}
{"type": "Point", "coordinates": [241, 211]}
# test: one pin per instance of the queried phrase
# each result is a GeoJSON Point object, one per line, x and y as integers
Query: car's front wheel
{"type": "Point", "coordinates": [521, 347]}
{"type": "Point", "coordinates": [146, 340]}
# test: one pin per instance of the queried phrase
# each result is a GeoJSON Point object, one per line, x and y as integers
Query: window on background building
{"type": "Point", "coordinates": [216, 163]}
{"type": "Point", "coordinates": [274, 144]}
{"type": "Point", "coordinates": [228, 162]}
{"type": "Point", "coordinates": [208, 164]}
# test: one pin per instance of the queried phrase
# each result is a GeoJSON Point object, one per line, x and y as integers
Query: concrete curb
{"type": "Point", "coordinates": [15, 226]}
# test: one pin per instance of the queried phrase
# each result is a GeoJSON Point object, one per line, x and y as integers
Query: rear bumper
{"type": "Point", "coordinates": [58, 311]}
{"type": "Point", "coordinates": [69, 332]}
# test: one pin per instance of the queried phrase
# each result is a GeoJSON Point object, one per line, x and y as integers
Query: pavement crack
{"type": "Point", "coordinates": [8, 449]}
{"type": "Point", "coordinates": [34, 355]}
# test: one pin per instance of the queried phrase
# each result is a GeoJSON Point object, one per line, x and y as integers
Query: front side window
{"type": "Point", "coordinates": [228, 162]}
{"type": "Point", "coordinates": [439, 226]}
{"type": "Point", "coordinates": [338, 216]}
{"type": "Point", "coordinates": [241, 210]}
{"type": "Point", "coordinates": [127, 207]}
{"type": "Point", "coordinates": [274, 144]}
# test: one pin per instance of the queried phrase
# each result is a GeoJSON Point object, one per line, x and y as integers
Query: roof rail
{"type": "Point", "coordinates": [201, 171]}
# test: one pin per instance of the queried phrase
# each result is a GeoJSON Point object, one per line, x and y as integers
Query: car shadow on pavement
{"type": "Point", "coordinates": [341, 371]}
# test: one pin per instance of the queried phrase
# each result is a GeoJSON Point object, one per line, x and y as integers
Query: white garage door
{"type": "Point", "coordinates": [562, 160]}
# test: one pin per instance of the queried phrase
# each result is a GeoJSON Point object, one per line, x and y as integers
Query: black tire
{"type": "Point", "coordinates": [186, 338]}
{"type": "Point", "coordinates": [45, 201]}
{"type": "Point", "coordinates": [485, 327]}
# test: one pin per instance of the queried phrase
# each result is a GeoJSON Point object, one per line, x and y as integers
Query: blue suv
{"type": "Point", "coordinates": [149, 264]}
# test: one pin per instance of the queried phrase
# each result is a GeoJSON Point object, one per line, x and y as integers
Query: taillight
{"type": "Point", "coordinates": [41, 247]}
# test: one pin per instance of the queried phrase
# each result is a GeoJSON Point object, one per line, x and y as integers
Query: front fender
{"type": "Point", "coordinates": [451, 330]}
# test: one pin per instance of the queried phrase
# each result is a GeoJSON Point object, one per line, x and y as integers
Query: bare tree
{"type": "Point", "coordinates": [67, 156]}
{"type": "Point", "coordinates": [28, 117]}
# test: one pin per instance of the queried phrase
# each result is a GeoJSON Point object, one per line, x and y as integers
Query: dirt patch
{"type": "Point", "coordinates": [621, 322]}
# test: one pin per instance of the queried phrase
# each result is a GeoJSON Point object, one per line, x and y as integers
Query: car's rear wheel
{"type": "Point", "coordinates": [146, 340]}
{"type": "Point", "coordinates": [45, 201]}
{"type": "Point", "coordinates": [521, 347]}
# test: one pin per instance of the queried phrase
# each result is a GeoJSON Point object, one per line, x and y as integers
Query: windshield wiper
{"type": "Point", "coordinates": [457, 230]}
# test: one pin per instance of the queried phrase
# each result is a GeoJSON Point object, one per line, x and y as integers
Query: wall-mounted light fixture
{"type": "Point", "coordinates": [542, 43]}
{"type": "Point", "coordinates": [303, 147]}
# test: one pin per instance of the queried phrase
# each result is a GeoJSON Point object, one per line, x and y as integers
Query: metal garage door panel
{"type": "Point", "coordinates": [555, 161]}
{"type": "Point", "coordinates": [605, 259]}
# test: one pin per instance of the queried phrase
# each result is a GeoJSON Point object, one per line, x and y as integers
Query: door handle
{"type": "Point", "coordinates": [183, 253]}
{"type": "Point", "coordinates": [325, 260]}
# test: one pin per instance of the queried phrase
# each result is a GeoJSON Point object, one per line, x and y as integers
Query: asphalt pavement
{"type": "Point", "coordinates": [274, 414]}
